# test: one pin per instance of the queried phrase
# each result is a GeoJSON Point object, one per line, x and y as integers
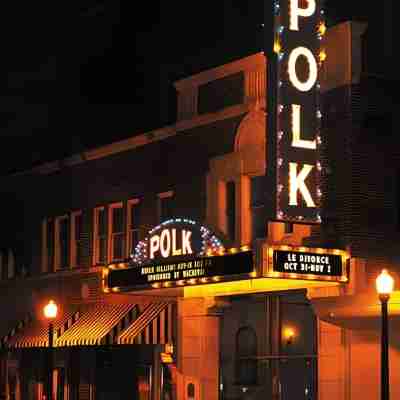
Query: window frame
{"type": "Point", "coordinates": [97, 237]}
{"type": "Point", "coordinates": [131, 228]}
{"type": "Point", "coordinates": [57, 243]}
{"type": "Point", "coordinates": [75, 242]}
{"type": "Point", "coordinates": [112, 235]}
{"type": "Point", "coordinates": [160, 197]}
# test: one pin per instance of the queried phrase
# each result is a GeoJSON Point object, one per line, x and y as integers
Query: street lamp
{"type": "Point", "coordinates": [384, 287]}
{"type": "Point", "coordinates": [50, 312]}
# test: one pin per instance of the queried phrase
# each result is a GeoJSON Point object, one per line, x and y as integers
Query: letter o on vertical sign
{"type": "Point", "coordinates": [312, 65]}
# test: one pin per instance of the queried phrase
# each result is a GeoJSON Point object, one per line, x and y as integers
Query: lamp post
{"type": "Point", "coordinates": [50, 312]}
{"type": "Point", "coordinates": [384, 287]}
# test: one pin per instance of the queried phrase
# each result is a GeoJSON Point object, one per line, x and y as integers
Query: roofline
{"type": "Point", "coordinates": [248, 63]}
{"type": "Point", "coordinates": [134, 142]}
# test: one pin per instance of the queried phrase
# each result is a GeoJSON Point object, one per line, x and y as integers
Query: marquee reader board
{"type": "Point", "coordinates": [292, 262]}
{"type": "Point", "coordinates": [179, 252]}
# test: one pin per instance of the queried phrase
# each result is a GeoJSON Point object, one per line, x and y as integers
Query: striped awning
{"type": "Point", "coordinates": [36, 334]}
{"type": "Point", "coordinates": [153, 326]}
{"type": "Point", "coordinates": [100, 323]}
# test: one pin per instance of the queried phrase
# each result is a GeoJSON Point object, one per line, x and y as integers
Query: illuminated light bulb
{"type": "Point", "coordinates": [280, 162]}
{"type": "Point", "coordinates": [215, 278]}
{"type": "Point", "coordinates": [288, 334]}
{"type": "Point", "coordinates": [280, 214]}
{"type": "Point", "coordinates": [233, 250]}
{"type": "Point", "coordinates": [322, 56]}
{"type": "Point", "coordinates": [319, 114]}
{"type": "Point", "coordinates": [253, 274]}
{"type": "Point", "coordinates": [280, 188]}
{"type": "Point", "coordinates": [280, 135]}
{"type": "Point", "coordinates": [280, 108]}
{"type": "Point", "coordinates": [155, 285]}
{"type": "Point", "coordinates": [166, 284]}
{"type": "Point", "coordinates": [281, 29]}
{"type": "Point", "coordinates": [192, 281]}
{"type": "Point", "coordinates": [180, 283]}
{"type": "Point", "coordinates": [115, 289]}
{"type": "Point", "coordinates": [204, 280]}
{"type": "Point", "coordinates": [384, 283]}
{"type": "Point", "coordinates": [319, 166]}
{"type": "Point", "coordinates": [280, 57]}
{"type": "Point", "coordinates": [322, 28]}
{"type": "Point", "coordinates": [245, 248]}
{"type": "Point", "coordinates": [277, 47]}
{"type": "Point", "coordinates": [319, 140]}
{"type": "Point", "coordinates": [50, 310]}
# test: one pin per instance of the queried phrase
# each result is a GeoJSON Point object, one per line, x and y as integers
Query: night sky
{"type": "Point", "coordinates": [74, 78]}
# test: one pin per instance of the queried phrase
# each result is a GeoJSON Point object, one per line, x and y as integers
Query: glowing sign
{"type": "Point", "coordinates": [294, 62]}
{"type": "Point", "coordinates": [178, 252]}
{"type": "Point", "coordinates": [306, 263]}
{"type": "Point", "coordinates": [179, 238]}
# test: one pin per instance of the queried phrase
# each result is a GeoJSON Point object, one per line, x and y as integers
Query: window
{"type": "Point", "coordinates": [288, 228]}
{"type": "Point", "coordinates": [246, 352]}
{"type": "Point", "coordinates": [165, 205]}
{"type": "Point", "coordinates": [76, 239]}
{"type": "Point", "coordinates": [117, 234]}
{"type": "Point", "coordinates": [62, 242]}
{"type": "Point", "coordinates": [230, 210]}
{"type": "Point", "coordinates": [62, 231]}
{"type": "Point", "coordinates": [50, 245]}
{"type": "Point", "coordinates": [257, 206]}
{"type": "Point", "coordinates": [133, 225]}
{"type": "Point", "coordinates": [100, 235]}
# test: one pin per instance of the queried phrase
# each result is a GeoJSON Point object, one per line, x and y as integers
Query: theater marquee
{"type": "Point", "coordinates": [294, 128]}
{"type": "Point", "coordinates": [178, 252]}
{"type": "Point", "coordinates": [308, 263]}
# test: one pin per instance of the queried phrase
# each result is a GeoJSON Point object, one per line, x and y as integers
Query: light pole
{"type": "Point", "coordinates": [384, 287]}
{"type": "Point", "coordinates": [50, 312]}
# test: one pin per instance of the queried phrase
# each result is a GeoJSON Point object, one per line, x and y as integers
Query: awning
{"type": "Point", "coordinates": [35, 333]}
{"type": "Point", "coordinates": [153, 326]}
{"type": "Point", "coordinates": [100, 323]}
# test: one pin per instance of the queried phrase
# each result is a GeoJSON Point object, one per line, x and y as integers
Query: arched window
{"type": "Point", "coordinates": [246, 352]}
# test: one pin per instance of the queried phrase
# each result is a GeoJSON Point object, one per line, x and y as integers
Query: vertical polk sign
{"type": "Point", "coordinates": [295, 58]}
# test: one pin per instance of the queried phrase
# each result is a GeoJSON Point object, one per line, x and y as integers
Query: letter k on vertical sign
{"type": "Point", "coordinates": [293, 51]}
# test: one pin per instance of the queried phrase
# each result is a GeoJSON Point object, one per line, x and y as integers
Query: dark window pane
{"type": "Point", "coordinates": [50, 245]}
{"type": "Point", "coordinates": [102, 221]}
{"type": "Point", "coordinates": [117, 219]}
{"type": "Point", "coordinates": [231, 209]}
{"type": "Point", "coordinates": [78, 240]}
{"type": "Point", "coordinates": [78, 227]}
{"type": "Point", "coordinates": [118, 246]}
{"type": "Point", "coordinates": [288, 227]}
{"type": "Point", "coordinates": [102, 250]}
{"type": "Point", "coordinates": [258, 190]}
{"type": "Point", "coordinates": [135, 215]}
{"type": "Point", "coordinates": [64, 242]}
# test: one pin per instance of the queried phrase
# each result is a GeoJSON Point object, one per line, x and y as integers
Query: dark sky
{"type": "Point", "coordinates": [74, 78]}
